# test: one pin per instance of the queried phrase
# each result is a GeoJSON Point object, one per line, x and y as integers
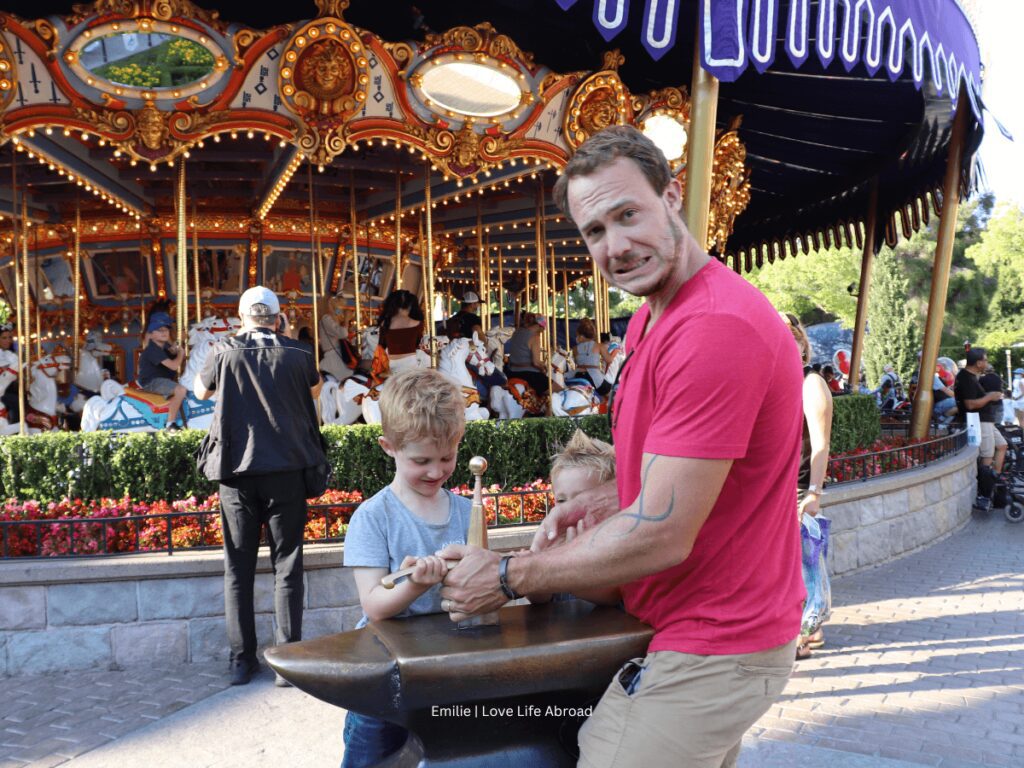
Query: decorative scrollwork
{"type": "Point", "coordinates": [599, 101]}
{"type": "Point", "coordinates": [82, 11]}
{"type": "Point", "coordinates": [730, 188]}
{"type": "Point", "coordinates": [242, 41]}
{"type": "Point", "coordinates": [164, 10]}
{"type": "Point", "coordinates": [48, 33]}
{"type": "Point", "coordinates": [482, 38]}
{"type": "Point", "coordinates": [332, 8]}
{"type": "Point", "coordinates": [402, 53]}
{"type": "Point", "coordinates": [612, 60]}
{"type": "Point", "coordinates": [8, 74]}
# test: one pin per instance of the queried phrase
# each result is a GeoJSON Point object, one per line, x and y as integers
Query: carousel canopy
{"type": "Point", "coordinates": [339, 108]}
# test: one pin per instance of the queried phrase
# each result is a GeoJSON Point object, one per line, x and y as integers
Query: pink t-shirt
{"type": "Point", "coordinates": [685, 391]}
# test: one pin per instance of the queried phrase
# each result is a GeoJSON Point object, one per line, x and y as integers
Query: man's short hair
{"type": "Point", "coordinates": [604, 148]}
{"type": "Point", "coordinates": [975, 355]}
{"type": "Point", "coordinates": [585, 452]}
{"type": "Point", "coordinates": [260, 314]}
{"type": "Point", "coordinates": [421, 404]}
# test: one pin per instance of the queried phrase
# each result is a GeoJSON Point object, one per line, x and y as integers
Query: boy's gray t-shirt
{"type": "Point", "coordinates": [383, 531]}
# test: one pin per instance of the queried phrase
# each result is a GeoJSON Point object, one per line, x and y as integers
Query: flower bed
{"type": "Point", "coordinates": [73, 527]}
{"type": "Point", "coordinates": [890, 454]}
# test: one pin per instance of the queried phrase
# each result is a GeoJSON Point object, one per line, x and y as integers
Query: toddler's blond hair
{"type": "Point", "coordinates": [421, 404]}
{"type": "Point", "coordinates": [585, 452]}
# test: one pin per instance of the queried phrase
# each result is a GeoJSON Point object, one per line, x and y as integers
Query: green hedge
{"type": "Point", "coordinates": [162, 465]}
{"type": "Point", "coordinates": [854, 423]}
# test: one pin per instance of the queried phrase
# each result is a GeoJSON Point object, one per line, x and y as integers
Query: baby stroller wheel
{"type": "Point", "coordinates": [1014, 511]}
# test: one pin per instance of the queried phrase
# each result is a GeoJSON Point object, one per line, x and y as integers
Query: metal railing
{"type": "Point", "coordinates": [860, 467]}
{"type": "Point", "coordinates": [170, 532]}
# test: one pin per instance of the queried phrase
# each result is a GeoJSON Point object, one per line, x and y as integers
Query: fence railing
{"type": "Point", "coordinates": [865, 466]}
{"type": "Point", "coordinates": [170, 532]}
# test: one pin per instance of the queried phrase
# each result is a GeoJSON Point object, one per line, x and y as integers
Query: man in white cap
{"type": "Point", "coordinates": [263, 436]}
{"type": "Point", "coordinates": [468, 317]}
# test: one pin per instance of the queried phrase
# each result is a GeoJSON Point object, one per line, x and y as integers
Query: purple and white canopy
{"type": "Point", "coordinates": [883, 35]}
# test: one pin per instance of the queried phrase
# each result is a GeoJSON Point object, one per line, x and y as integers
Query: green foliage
{"type": "Point", "coordinates": [1000, 257]}
{"type": "Point", "coordinates": [172, 63]}
{"type": "Point", "coordinates": [812, 287]}
{"type": "Point", "coordinates": [5, 311]}
{"type": "Point", "coordinates": [896, 328]}
{"type": "Point", "coordinates": [182, 51]}
{"type": "Point", "coordinates": [132, 74]}
{"type": "Point", "coordinates": [854, 423]}
{"type": "Point", "coordinates": [150, 467]}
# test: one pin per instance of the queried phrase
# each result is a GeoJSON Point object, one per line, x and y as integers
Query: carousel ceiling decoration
{"type": "Point", "coordinates": [875, 33]}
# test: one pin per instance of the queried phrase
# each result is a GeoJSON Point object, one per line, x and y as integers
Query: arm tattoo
{"type": "Point", "coordinates": [641, 516]}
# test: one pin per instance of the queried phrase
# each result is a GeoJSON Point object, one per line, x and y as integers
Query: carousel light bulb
{"type": "Point", "coordinates": [85, 136]}
{"type": "Point", "coordinates": [216, 138]}
{"type": "Point", "coordinates": [102, 142]}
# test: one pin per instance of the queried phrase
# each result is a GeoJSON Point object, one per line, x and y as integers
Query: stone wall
{"type": "Point", "coordinates": [120, 611]}
{"type": "Point", "coordinates": [879, 520]}
{"type": "Point", "coordinates": [58, 615]}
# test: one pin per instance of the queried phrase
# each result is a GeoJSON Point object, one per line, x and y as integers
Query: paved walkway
{"type": "Point", "coordinates": [924, 666]}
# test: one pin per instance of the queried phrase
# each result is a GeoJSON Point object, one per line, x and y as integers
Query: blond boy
{"type": "Point", "coordinates": [405, 524]}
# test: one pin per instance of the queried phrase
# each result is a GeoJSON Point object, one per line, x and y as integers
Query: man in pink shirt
{"type": "Point", "coordinates": [698, 534]}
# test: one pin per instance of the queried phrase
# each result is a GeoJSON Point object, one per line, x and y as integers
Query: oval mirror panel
{"type": "Point", "coordinates": [147, 60]}
{"type": "Point", "coordinates": [471, 89]}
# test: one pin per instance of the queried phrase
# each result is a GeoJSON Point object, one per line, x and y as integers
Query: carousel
{"type": "Point", "coordinates": [161, 156]}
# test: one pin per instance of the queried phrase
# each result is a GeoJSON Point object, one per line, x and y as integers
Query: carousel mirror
{"type": "Point", "coordinates": [470, 89]}
{"type": "Point", "coordinates": [117, 273]}
{"type": "Point", "coordinates": [147, 60]}
{"type": "Point", "coordinates": [58, 274]}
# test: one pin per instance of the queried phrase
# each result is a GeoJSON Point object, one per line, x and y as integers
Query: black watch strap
{"type": "Point", "coordinates": [510, 593]}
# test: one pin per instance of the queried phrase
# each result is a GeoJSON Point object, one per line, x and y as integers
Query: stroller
{"type": "Point", "coordinates": [1009, 488]}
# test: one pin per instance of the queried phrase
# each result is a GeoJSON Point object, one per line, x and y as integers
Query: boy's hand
{"type": "Point", "coordinates": [429, 571]}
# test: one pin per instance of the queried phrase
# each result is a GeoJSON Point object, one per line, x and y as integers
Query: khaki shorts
{"type": "Point", "coordinates": [991, 439]}
{"type": "Point", "coordinates": [686, 711]}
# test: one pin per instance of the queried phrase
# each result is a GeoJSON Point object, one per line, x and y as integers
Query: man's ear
{"type": "Point", "coordinates": [673, 195]}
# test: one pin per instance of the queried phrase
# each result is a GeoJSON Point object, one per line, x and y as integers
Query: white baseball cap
{"type": "Point", "coordinates": [470, 298]}
{"type": "Point", "coordinates": [258, 295]}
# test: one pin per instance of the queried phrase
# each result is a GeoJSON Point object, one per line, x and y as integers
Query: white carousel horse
{"type": "Point", "coordinates": [123, 409]}
{"type": "Point", "coordinates": [90, 374]}
{"type": "Point", "coordinates": [494, 342]}
{"type": "Point", "coordinates": [452, 363]}
{"type": "Point", "coordinates": [616, 350]}
{"type": "Point", "coordinates": [8, 375]}
{"type": "Point", "coordinates": [42, 392]}
{"type": "Point", "coordinates": [573, 397]}
{"type": "Point", "coordinates": [331, 335]}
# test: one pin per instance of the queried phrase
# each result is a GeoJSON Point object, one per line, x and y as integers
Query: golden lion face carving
{"type": "Point", "coordinates": [598, 112]}
{"type": "Point", "coordinates": [325, 78]}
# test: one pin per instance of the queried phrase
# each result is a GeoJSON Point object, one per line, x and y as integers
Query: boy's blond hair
{"type": "Point", "coordinates": [585, 452]}
{"type": "Point", "coordinates": [421, 404]}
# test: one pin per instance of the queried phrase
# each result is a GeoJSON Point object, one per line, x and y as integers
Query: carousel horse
{"type": "Point", "coordinates": [41, 413]}
{"type": "Point", "coordinates": [90, 374]}
{"type": "Point", "coordinates": [8, 375]}
{"type": "Point", "coordinates": [572, 396]}
{"type": "Point", "coordinates": [357, 394]}
{"type": "Point", "coordinates": [332, 337]}
{"type": "Point", "coordinates": [129, 409]}
{"type": "Point", "coordinates": [453, 364]}
{"type": "Point", "coordinates": [616, 350]}
{"type": "Point", "coordinates": [494, 342]}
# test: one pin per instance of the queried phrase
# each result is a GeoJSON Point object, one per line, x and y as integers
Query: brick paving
{"type": "Point", "coordinates": [924, 666]}
{"type": "Point", "coordinates": [924, 661]}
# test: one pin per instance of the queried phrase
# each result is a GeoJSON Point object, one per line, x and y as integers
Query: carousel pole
{"type": "Point", "coordinates": [501, 290]}
{"type": "Point", "coordinates": [924, 399]}
{"type": "Point", "coordinates": [700, 145]}
{"type": "Point", "coordinates": [553, 292]}
{"type": "Point", "coordinates": [76, 349]}
{"type": "Point", "coordinates": [486, 317]}
{"type": "Point", "coordinates": [355, 257]}
{"type": "Point", "coordinates": [526, 285]}
{"type": "Point", "coordinates": [481, 282]}
{"type": "Point", "coordinates": [607, 303]}
{"type": "Point", "coordinates": [182, 281]}
{"type": "Point", "coordinates": [595, 281]}
{"type": "Point", "coordinates": [21, 289]}
{"type": "Point", "coordinates": [866, 265]}
{"type": "Point", "coordinates": [542, 291]}
{"type": "Point", "coordinates": [195, 262]}
{"type": "Point", "coordinates": [398, 231]}
{"type": "Point", "coordinates": [315, 253]}
{"type": "Point", "coordinates": [565, 302]}
{"type": "Point", "coordinates": [428, 266]}
{"type": "Point", "coordinates": [39, 304]}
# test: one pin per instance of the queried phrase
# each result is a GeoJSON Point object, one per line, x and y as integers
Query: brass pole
{"type": "Point", "coordinates": [565, 301]}
{"type": "Point", "coordinates": [596, 284]}
{"type": "Point", "coordinates": [542, 291]}
{"type": "Point", "coordinates": [355, 257]}
{"type": "Point", "coordinates": [315, 251]}
{"type": "Point", "coordinates": [480, 262]}
{"type": "Point", "coordinates": [428, 267]}
{"type": "Point", "coordinates": [17, 292]}
{"type": "Point", "coordinates": [700, 144]}
{"type": "Point", "coordinates": [553, 291]}
{"type": "Point", "coordinates": [398, 231]}
{"type": "Point", "coordinates": [25, 342]}
{"type": "Point", "coordinates": [923, 400]}
{"type": "Point", "coordinates": [39, 288]}
{"type": "Point", "coordinates": [181, 310]}
{"type": "Point", "coordinates": [526, 285]}
{"type": "Point", "coordinates": [866, 265]}
{"type": "Point", "coordinates": [607, 302]}
{"type": "Point", "coordinates": [195, 262]}
{"type": "Point", "coordinates": [501, 290]}
{"type": "Point", "coordinates": [77, 271]}
{"type": "Point", "coordinates": [488, 285]}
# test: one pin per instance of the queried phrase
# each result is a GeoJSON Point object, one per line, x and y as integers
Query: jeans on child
{"type": "Point", "coordinates": [369, 740]}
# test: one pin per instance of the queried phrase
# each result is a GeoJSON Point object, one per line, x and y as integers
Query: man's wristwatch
{"type": "Point", "coordinates": [815, 489]}
{"type": "Point", "coordinates": [506, 588]}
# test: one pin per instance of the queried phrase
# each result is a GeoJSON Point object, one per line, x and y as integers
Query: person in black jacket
{"type": "Point", "coordinates": [267, 434]}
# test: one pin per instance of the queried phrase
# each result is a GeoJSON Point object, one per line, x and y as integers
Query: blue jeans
{"type": "Point", "coordinates": [369, 740]}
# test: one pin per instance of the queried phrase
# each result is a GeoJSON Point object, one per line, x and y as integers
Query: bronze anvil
{"type": "Point", "coordinates": [503, 695]}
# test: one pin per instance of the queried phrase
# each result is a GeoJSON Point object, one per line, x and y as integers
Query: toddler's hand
{"type": "Point", "coordinates": [429, 571]}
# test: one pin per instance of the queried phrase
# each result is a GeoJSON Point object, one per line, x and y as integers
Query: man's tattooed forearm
{"type": "Point", "coordinates": [641, 515]}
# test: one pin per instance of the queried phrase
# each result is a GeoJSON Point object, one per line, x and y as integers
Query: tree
{"type": "Point", "coordinates": [999, 258]}
{"type": "Point", "coordinates": [895, 325]}
{"type": "Point", "coordinates": [814, 286]}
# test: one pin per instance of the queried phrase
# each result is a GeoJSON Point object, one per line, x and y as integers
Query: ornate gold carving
{"type": "Point", "coordinates": [333, 8]}
{"type": "Point", "coordinates": [325, 79]}
{"type": "Point", "coordinates": [82, 11]}
{"type": "Point", "coordinates": [48, 33]}
{"type": "Point", "coordinates": [151, 127]}
{"type": "Point", "coordinates": [482, 38]}
{"type": "Point", "coordinates": [242, 41]}
{"type": "Point", "coordinates": [164, 10]}
{"type": "Point", "coordinates": [402, 53]}
{"type": "Point", "coordinates": [612, 60]}
{"type": "Point", "coordinates": [8, 74]}
{"type": "Point", "coordinates": [599, 101]}
{"type": "Point", "coordinates": [730, 189]}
